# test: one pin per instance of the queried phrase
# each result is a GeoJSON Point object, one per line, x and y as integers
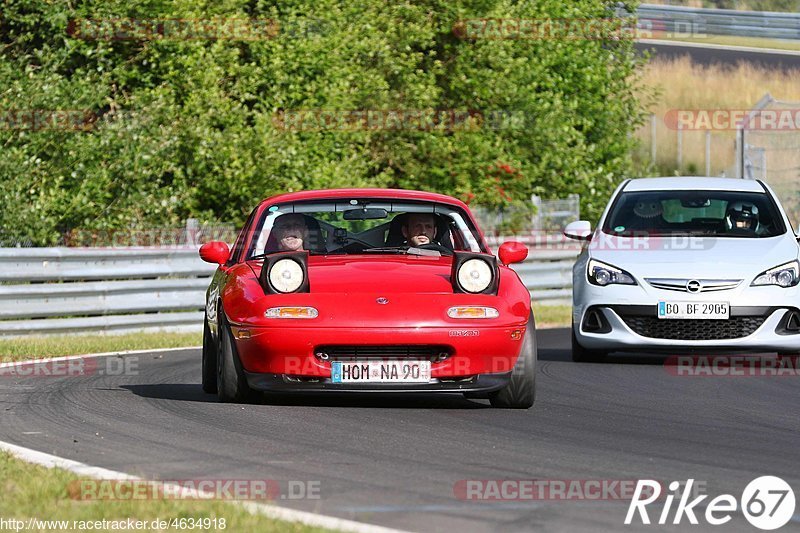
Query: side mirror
{"type": "Point", "coordinates": [580, 230]}
{"type": "Point", "coordinates": [512, 252]}
{"type": "Point", "coordinates": [215, 252]}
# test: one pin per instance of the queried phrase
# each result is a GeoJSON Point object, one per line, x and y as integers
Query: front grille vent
{"type": "Point", "coordinates": [735, 327]}
{"type": "Point", "coordinates": [353, 352]}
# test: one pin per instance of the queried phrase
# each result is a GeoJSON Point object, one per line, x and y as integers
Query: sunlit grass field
{"type": "Point", "coordinates": [681, 85]}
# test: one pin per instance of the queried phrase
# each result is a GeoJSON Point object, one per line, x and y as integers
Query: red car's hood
{"type": "Point", "coordinates": [390, 274]}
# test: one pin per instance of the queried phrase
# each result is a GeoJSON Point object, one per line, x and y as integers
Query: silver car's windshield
{"type": "Point", "coordinates": [364, 226]}
{"type": "Point", "coordinates": [716, 213]}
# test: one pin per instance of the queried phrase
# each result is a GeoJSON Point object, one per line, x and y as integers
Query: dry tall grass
{"type": "Point", "coordinates": [680, 84]}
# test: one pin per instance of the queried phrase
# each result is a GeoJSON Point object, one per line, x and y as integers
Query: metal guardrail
{"type": "Point", "coordinates": [694, 22]}
{"type": "Point", "coordinates": [95, 290]}
{"type": "Point", "coordinates": [547, 272]}
{"type": "Point", "coordinates": [77, 290]}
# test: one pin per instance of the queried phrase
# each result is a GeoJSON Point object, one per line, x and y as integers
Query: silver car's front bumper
{"type": "Point", "coordinates": [628, 316]}
{"type": "Point", "coordinates": [631, 332]}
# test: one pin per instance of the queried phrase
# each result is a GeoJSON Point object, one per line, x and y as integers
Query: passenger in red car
{"type": "Point", "coordinates": [291, 233]}
{"type": "Point", "coordinates": [420, 229]}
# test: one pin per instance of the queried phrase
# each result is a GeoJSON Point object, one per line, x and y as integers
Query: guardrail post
{"type": "Point", "coordinates": [653, 126]}
{"type": "Point", "coordinates": [192, 229]}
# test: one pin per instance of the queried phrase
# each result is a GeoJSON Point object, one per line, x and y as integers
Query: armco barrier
{"type": "Point", "coordinates": [78, 290]}
{"type": "Point", "coordinates": [547, 272]}
{"type": "Point", "coordinates": [118, 290]}
{"type": "Point", "coordinates": [694, 22]}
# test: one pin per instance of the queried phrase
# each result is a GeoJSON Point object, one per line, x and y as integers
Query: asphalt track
{"type": "Point", "coordinates": [705, 55]}
{"type": "Point", "coordinates": [395, 460]}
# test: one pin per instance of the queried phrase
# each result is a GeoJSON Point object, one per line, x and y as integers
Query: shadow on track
{"type": "Point", "coordinates": [189, 392]}
{"type": "Point", "coordinates": [184, 392]}
{"type": "Point", "coordinates": [554, 345]}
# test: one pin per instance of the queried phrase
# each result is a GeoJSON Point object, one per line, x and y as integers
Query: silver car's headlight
{"type": "Point", "coordinates": [603, 274]}
{"type": "Point", "coordinates": [286, 275]}
{"type": "Point", "coordinates": [785, 275]}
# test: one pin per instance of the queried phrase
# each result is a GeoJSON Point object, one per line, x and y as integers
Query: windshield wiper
{"type": "Point", "coordinates": [405, 250]}
{"type": "Point", "coordinates": [265, 254]}
{"type": "Point", "coordinates": [387, 250]}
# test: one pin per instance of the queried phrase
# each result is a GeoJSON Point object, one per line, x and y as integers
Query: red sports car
{"type": "Point", "coordinates": [374, 290]}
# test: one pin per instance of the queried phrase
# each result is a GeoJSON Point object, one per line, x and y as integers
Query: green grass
{"type": "Point", "coordinates": [552, 316]}
{"type": "Point", "coordinates": [32, 491]}
{"type": "Point", "coordinates": [40, 347]}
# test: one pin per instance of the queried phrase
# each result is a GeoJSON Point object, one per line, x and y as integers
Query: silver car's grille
{"type": "Point", "coordinates": [735, 327]}
{"type": "Point", "coordinates": [693, 285]}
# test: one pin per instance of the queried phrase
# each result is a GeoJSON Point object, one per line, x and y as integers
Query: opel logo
{"type": "Point", "coordinates": [382, 300]}
{"type": "Point", "coordinates": [693, 286]}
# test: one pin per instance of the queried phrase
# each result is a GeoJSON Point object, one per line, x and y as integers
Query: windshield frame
{"type": "Point", "coordinates": [260, 230]}
{"type": "Point", "coordinates": [778, 216]}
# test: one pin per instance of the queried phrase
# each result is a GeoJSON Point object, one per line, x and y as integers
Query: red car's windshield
{"type": "Point", "coordinates": [363, 226]}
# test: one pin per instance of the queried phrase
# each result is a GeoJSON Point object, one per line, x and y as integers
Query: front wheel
{"type": "Point", "coordinates": [209, 361]}
{"type": "Point", "coordinates": [231, 382]}
{"type": "Point", "coordinates": [520, 392]}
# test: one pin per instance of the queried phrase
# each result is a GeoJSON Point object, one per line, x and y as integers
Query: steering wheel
{"type": "Point", "coordinates": [353, 245]}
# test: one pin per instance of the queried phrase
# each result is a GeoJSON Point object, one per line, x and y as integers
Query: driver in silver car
{"type": "Point", "coordinates": [741, 217]}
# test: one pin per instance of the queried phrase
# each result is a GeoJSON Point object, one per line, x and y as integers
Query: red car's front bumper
{"type": "Point", "coordinates": [272, 356]}
{"type": "Point", "coordinates": [285, 383]}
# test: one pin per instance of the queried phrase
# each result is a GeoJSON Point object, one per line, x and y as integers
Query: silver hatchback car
{"type": "Point", "coordinates": [687, 264]}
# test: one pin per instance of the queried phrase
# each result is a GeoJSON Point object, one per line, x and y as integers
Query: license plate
{"type": "Point", "coordinates": [694, 310]}
{"type": "Point", "coordinates": [381, 372]}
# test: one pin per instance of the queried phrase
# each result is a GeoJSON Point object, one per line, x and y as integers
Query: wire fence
{"type": "Point", "coordinates": [773, 153]}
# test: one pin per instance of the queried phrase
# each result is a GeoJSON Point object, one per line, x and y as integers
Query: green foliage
{"type": "Point", "coordinates": [188, 127]}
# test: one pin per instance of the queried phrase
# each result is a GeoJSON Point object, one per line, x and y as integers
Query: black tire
{"type": "Point", "coordinates": [520, 393]}
{"type": "Point", "coordinates": [581, 354]}
{"type": "Point", "coordinates": [231, 383]}
{"type": "Point", "coordinates": [209, 361]}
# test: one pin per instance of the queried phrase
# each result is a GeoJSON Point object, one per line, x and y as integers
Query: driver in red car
{"type": "Point", "coordinates": [291, 232]}
{"type": "Point", "coordinates": [420, 229]}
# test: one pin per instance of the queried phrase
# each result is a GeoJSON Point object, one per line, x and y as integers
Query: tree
{"type": "Point", "coordinates": [175, 126]}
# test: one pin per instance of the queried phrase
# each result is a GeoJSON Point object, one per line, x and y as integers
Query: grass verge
{"type": "Point", "coordinates": [732, 40]}
{"type": "Point", "coordinates": [35, 492]}
{"type": "Point", "coordinates": [22, 348]}
{"type": "Point", "coordinates": [552, 316]}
